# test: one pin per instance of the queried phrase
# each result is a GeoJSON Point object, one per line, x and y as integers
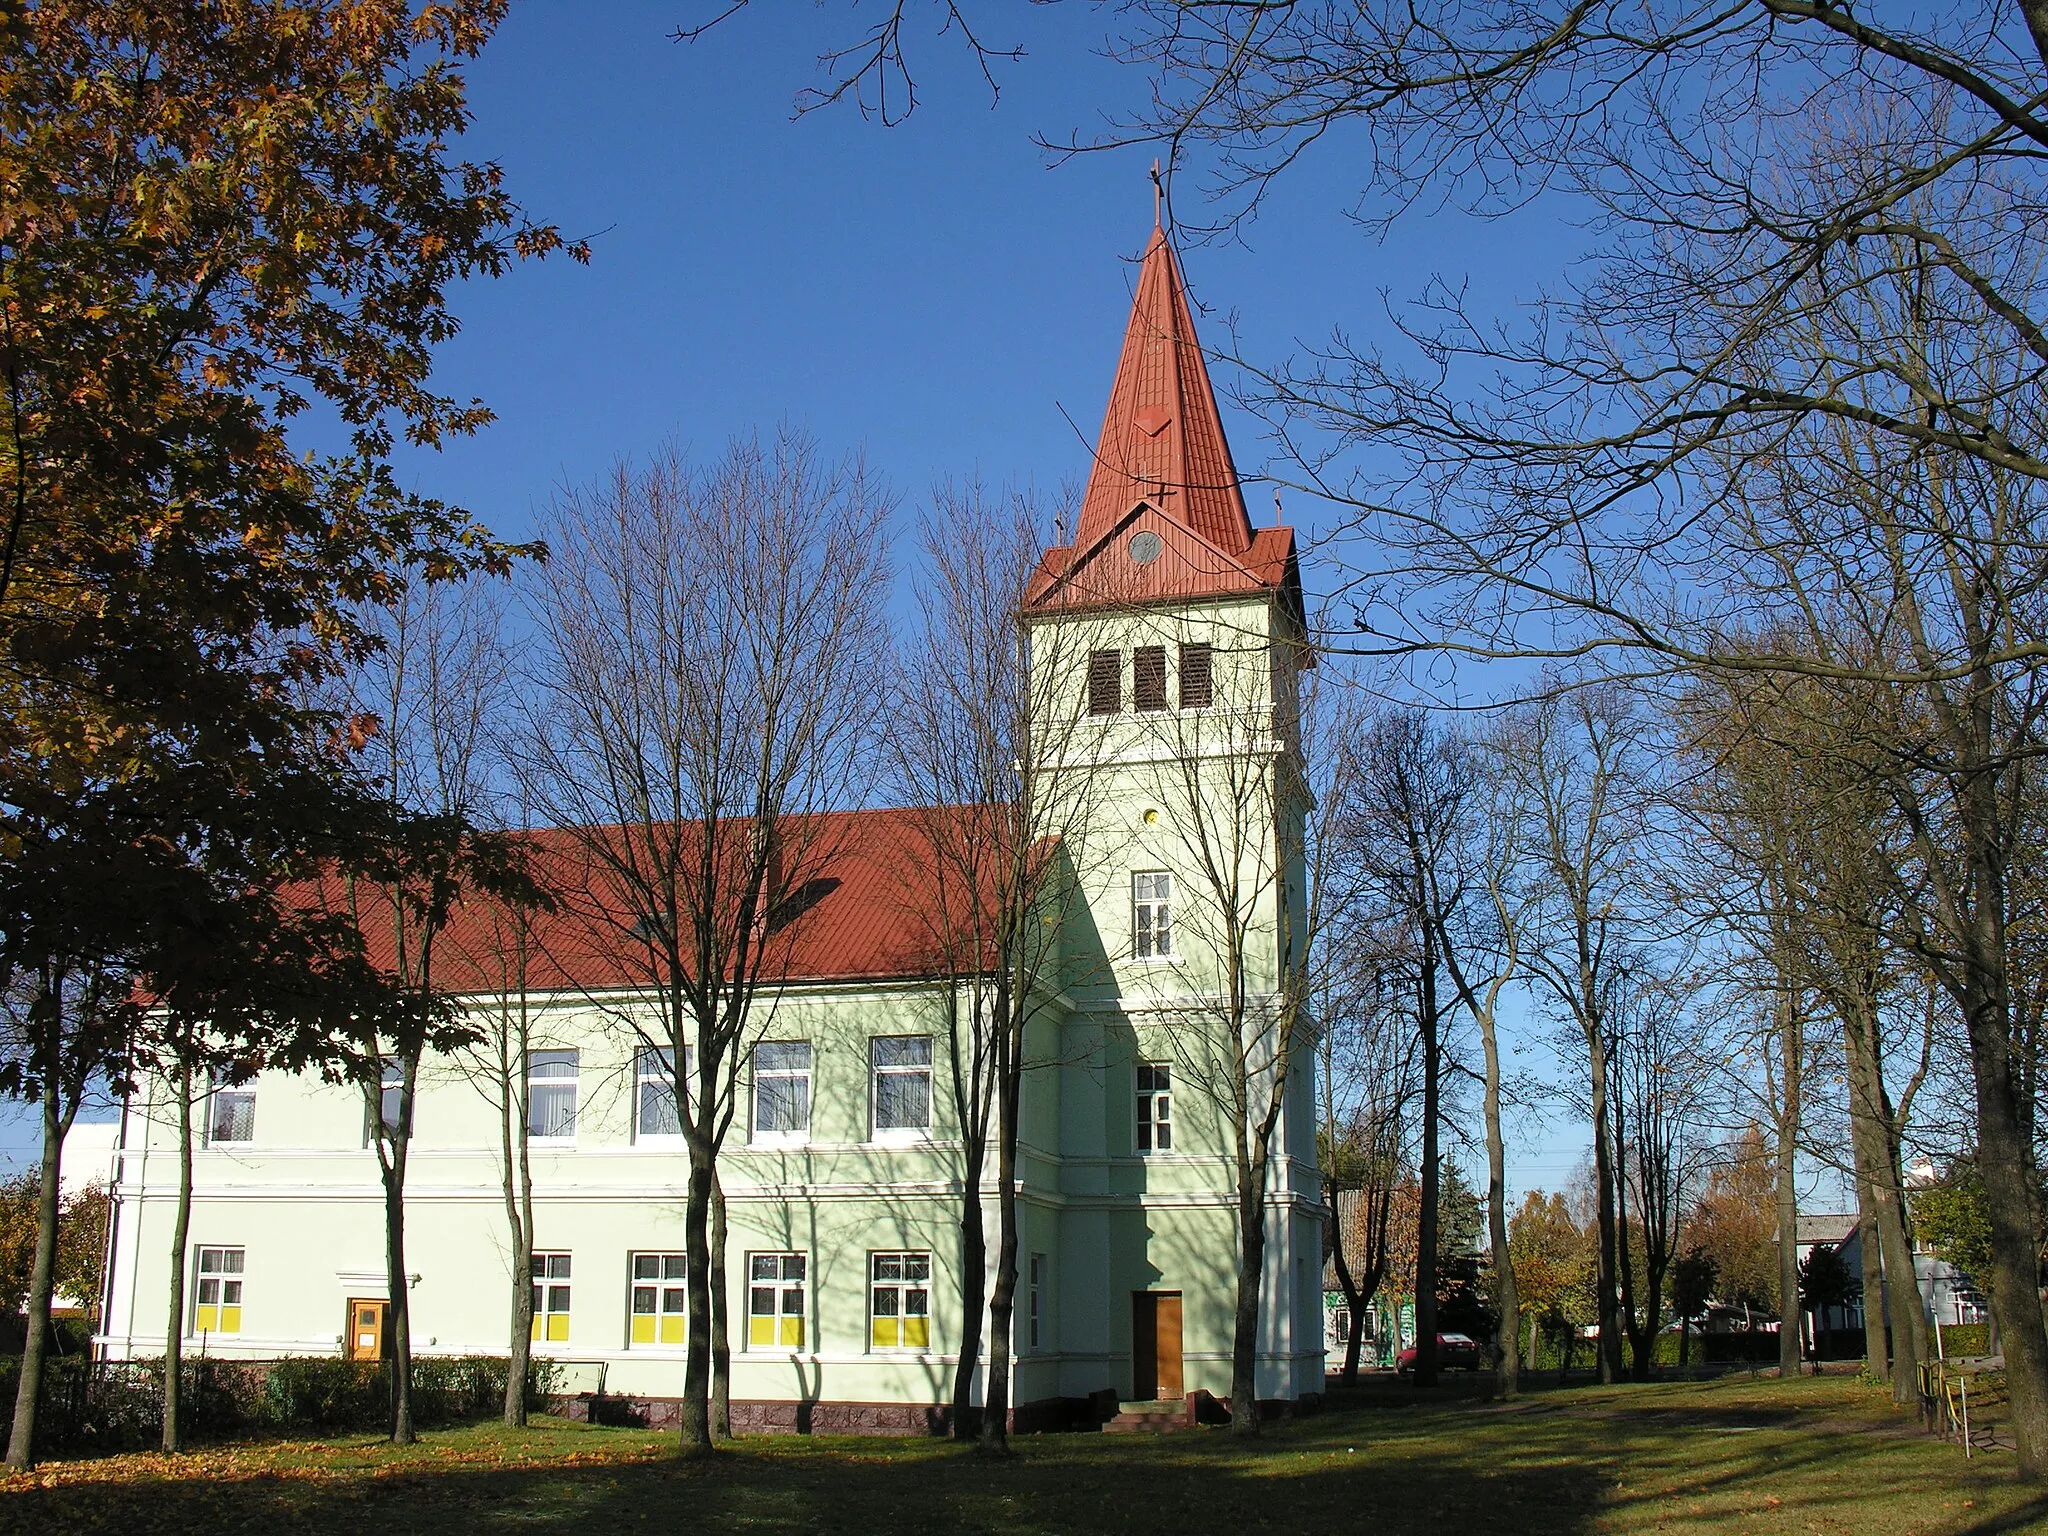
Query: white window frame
{"type": "Point", "coordinates": [646, 1076]}
{"type": "Point", "coordinates": [543, 1076]}
{"type": "Point", "coordinates": [660, 1279]}
{"type": "Point", "coordinates": [1153, 1111]}
{"type": "Point", "coordinates": [1152, 916]}
{"type": "Point", "coordinates": [217, 1273]}
{"type": "Point", "coordinates": [904, 1281]}
{"type": "Point", "coordinates": [553, 1279]}
{"type": "Point", "coordinates": [225, 1093]}
{"type": "Point", "coordinates": [788, 1283]}
{"type": "Point", "coordinates": [878, 1046]}
{"type": "Point", "coordinates": [785, 1137]}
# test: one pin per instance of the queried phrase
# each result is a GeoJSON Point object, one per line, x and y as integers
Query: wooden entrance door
{"type": "Point", "coordinates": [1155, 1346]}
{"type": "Point", "coordinates": [368, 1323]}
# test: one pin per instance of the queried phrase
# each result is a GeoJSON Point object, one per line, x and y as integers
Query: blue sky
{"type": "Point", "coordinates": [935, 294]}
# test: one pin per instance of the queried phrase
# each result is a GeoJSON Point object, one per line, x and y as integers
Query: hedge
{"type": "Point", "coordinates": [118, 1405]}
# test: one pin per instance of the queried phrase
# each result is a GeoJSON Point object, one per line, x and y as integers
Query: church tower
{"type": "Point", "coordinates": [1166, 645]}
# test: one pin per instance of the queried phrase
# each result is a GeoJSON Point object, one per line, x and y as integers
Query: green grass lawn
{"type": "Point", "coordinates": [1822, 1455]}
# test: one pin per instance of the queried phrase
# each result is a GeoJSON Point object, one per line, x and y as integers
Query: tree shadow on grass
{"type": "Point", "coordinates": [1055, 1483]}
{"type": "Point", "coordinates": [1394, 1468]}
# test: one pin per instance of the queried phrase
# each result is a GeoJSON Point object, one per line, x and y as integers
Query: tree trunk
{"type": "Point", "coordinates": [518, 1193]}
{"type": "Point", "coordinates": [181, 1228]}
{"type": "Point", "coordinates": [1002, 1306]}
{"type": "Point", "coordinates": [1877, 1359]}
{"type": "Point", "coordinates": [1507, 1330]}
{"type": "Point", "coordinates": [1426, 1222]}
{"type": "Point", "coordinates": [402, 1431]}
{"type": "Point", "coordinates": [2005, 1160]}
{"type": "Point", "coordinates": [1354, 1299]}
{"type": "Point", "coordinates": [28, 1391]}
{"type": "Point", "coordinates": [1790, 1050]}
{"type": "Point", "coordinates": [1874, 1130]}
{"type": "Point", "coordinates": [973, 1282]}
{"type": "Point", "coordinates": [1631, 1319]}
{"type": "Point", "coordinates": [1251, 1265]}
{"type": "Point", "coordinates": [695, 1411]}
{"type": "Point", "coordinates": [721, 1332]}
{"type": "Point", "coordinates": [1609, 1343]}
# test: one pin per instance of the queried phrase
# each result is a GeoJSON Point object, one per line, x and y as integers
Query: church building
{"type": "Point", "coordinates": [1177, 631]}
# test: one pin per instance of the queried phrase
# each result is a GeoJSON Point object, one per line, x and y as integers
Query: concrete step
{"type": "Point", "coordinates": [1147, 1418]}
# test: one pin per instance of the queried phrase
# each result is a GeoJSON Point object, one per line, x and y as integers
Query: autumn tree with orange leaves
{"type": "Point", "coordinates": [212, 217]}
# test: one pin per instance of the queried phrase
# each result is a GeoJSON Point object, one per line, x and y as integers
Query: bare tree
{"type": "Point", "coordinates": [430, 684]}
{"type": "Point", "coordinates": [1660, 1075]}
{"type": "Point", "coordinates": [1368, 1061]}
{"type": "Point", "coordinates": [1488, 856]}
{"type": "Point", "coordinates": [1416, 787]}
{"type": "Point", "coordinates": [984, 727]}
{"type": "Point", "coordinates": [1575, 764]}
{"type": "Point", "coordinates": [1803, 383]}
{"type": "Point", "coordinates": [712, 668]}
{"type": "Point", "coordinates": [1793, 791]}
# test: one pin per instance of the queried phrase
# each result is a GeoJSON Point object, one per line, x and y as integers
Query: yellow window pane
{"type": "Point", "coordinates": [761, 1330]}
{"type": "Point", "coordinates": [209, 1320]}
{"type": "Point", "coordinates": [230, 1319]}
{"type": "Point", "coordinates": [558, 1327]}
{"type": "Point", "coordinates": [793, 1332]}
{"type": "Point", "coordinates": [672, 1331]}
{"type": "Point", "coordinates": [885, 1333]}
{"type": "Point", "coordinates": [533, 1333]}
{"type": "Point", "coordinates": [643, 1328]}
{"type": "Point", "coordinates": [917, 1332]}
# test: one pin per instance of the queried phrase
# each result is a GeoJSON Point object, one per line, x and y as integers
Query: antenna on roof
{"type": "Point", "coordinates": [1276, 506]}
{"type": "Point", "coordinates": [1158, 194]}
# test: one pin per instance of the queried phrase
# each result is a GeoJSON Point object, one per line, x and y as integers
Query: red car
{"type": "Point", "coordinates": [1453, 1350]}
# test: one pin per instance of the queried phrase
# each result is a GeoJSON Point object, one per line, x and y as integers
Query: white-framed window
{"type": "Point", "coordinates": [782, 1089]}
{"type": "Point", "coordinates": [1155, 1107]}
{"type": "Point", "coordinates": [654, 1092]}
{"type": "Point", "coordinates": [900, 1300]}
{"type": "Point", "coordinates": [902, 1070]}
{"type": "Point", "coordinates": [661, 1303]}
{"type": "Point", "coordinates": [551, 1095]}
{"type": "Point", "coordinates": [1152, 914]}
{"type": "Point", "coordinates": [391, 1085]}
{"type": "Point", "coordinates": [1039, 1278]}
{"type": "Point", "coordinates": [231, 1113]}
{"type": "Point", "coordinates": [217, 1297]}
{"type": "Point", "coordinates": [775, 1300]}
{"type": "Point", "coordinates": [550, 1298]}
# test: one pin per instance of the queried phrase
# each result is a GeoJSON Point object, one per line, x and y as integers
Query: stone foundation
{"type": "Point", "coordinates": [1052, 1414]}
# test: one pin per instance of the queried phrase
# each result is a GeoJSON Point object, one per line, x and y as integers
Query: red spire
{"type": "Point", "coordinates": [1162, 439]}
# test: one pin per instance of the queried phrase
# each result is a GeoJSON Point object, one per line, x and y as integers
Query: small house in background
{"type": "Point", "coordinates": [1947, 1296]}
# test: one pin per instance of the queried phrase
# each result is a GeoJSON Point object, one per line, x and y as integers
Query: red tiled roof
{"type": "Point", "coordinates": [862, 903]}
{"type": "Point", "coordinates": [1162, 466]}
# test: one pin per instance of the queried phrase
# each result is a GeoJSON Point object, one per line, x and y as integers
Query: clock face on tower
{"type": "Point", "coordinates": [1146, 547]}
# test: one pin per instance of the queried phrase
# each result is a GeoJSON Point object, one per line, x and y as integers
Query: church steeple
{"type": "Point", "coordinates": [1163, 517]}
{"type": "Point", "coordinates": [1162, 438]}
